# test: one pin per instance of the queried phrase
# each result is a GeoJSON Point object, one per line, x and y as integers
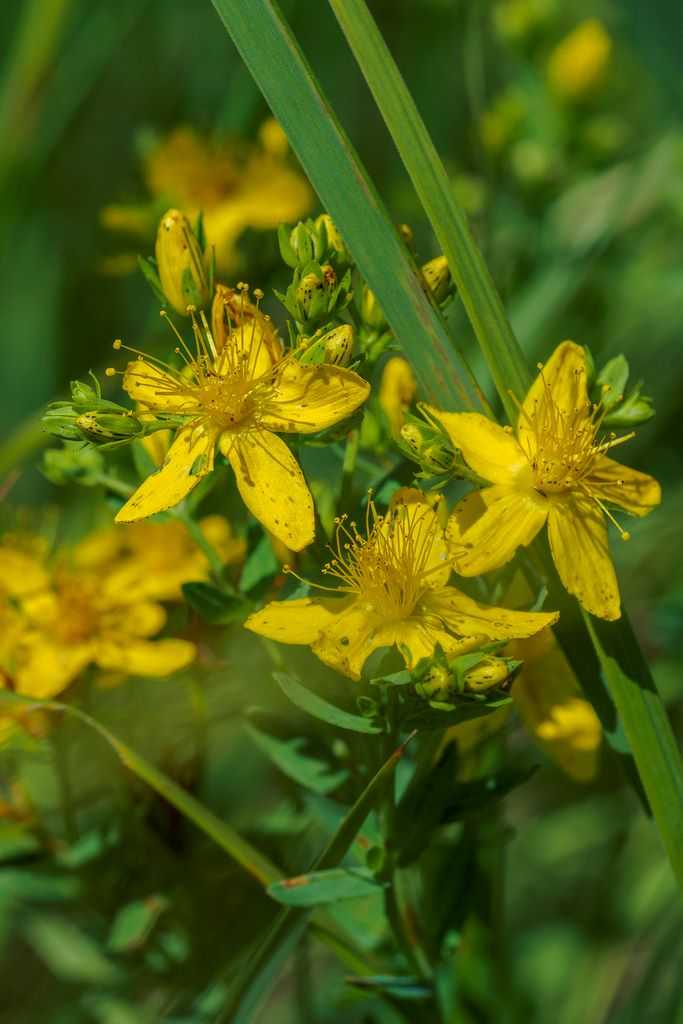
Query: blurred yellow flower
{"type": "Point", "coordinates": [235, 187]}
{"type": "Point", "coordinates": [394, 586]}
{"type": "Point", "coordinates": [578, 63]}
{"type": "Point", "coordinates": [70, 617]}
{"type": "Point", "coordinates": [555, 470]}
{"type": "Point", "coordinates": [238, 396]}
{"type": "Point", "coordinates": [156, 558]}
{"type": "Point", "coordinates": [549, 700]}
{"type": "Point", "coordinates": [396, 391]}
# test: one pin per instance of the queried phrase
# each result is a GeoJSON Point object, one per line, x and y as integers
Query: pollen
{"type": "Point", "coordinates": [389, 564]}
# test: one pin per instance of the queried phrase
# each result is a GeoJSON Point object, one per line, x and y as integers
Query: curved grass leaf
{"type": "Point", "coordinates": [274, 58]}
{"type": "Point", "coordinates": [322, 709]}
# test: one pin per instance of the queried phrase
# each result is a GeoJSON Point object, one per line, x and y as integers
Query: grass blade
{"type": "Point", "coordinates": [499, 346]}
{"type": "Point", "coordinates": [273, 56]}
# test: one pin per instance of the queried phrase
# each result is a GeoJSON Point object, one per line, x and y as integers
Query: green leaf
{"type": "Point", "coordinates": [288, 757]}
{"type": "Point", "coordinates": [254, 862]}
{"type": "Point", "coordinates": [133, 924]}
{"type": "Point", "coordinates": [319, 887]}
{"type": "Point", "coordinates": [482, 303]}
{"type": "Point", "coordinates": [319, 708]}
{"type": "Point", "coordinates": [261, 970]}
{"type": "Point", "coordinates": [69, 952]}
{"type": "Point", "coordinates": [396, 986]}
{"type": "Point", "coordinates": [271, 53]}
{"type": "Point", "coordinates": [647, 728]}
{"type": "Point", "coordinates": [261, 565]}
{"type": "Point", "coordinates": [213, 604]}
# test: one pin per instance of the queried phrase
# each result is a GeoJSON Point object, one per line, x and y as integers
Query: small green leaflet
{"type": "Point", "coordinates": [320, 708]}
{"type": "Point", "coordinates": [288, 757]}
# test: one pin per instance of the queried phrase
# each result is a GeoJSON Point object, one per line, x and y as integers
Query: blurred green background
{"type": "Point", "coordinates": [578, 205]}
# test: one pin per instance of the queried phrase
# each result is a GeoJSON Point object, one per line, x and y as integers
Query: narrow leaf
{"type": "Point", "coordinates": [320, 887]}
{"type": "Point", "coordinates": [274, 58]}
{"type": "Point", "coordinates": [287, 755]}
{"type": "Point", "coordinates": [319, 708]}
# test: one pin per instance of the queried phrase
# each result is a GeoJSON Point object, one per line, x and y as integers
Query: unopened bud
{"type": "Point", "coordinates": [489, 672]}
{"type": "Point", "coordinates": [436, 684]}
{"type": "Point", "coordinates": [437, 277]}
{"type": "Point", "coordinates": [83, 395]}
{"type": "Point", "coordinates": [334, 346]}
{"type": "Point", "coordinates": [310, 295]}
{"type": "Point", "coordinates": [106, 427]}
{"type": "Point", "coordinates": [335, 242]}
{"type": "Point", "coordinates": [180, 263]}
{"type": "Point", "coordinates": [371, 311]}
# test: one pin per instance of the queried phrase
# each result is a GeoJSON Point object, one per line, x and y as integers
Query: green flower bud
{"type": "Point", "coordinates": [73, 464]}
{"type": "Point", "coordinates": [436, 684]}
{"type": "Point", "coordinates": [634, 410]}
{"type": "Point", "coordinates": [180, 263]}
{"type": "Point", "coordinates": [335, 242]}
{"type": "Point", "coordinates": [84, 395]}
{"type": "Point", "coordinates": [310, 295]}
{"type": "Point", "coordinates": [437, 277]}
{"type": "Point", "coordinates": [59, 419]}
{"type": "Point", "coordinates": [107, 427]}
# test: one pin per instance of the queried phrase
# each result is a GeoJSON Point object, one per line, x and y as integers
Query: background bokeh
{"type": "Point", "coordinates": [577, 202]}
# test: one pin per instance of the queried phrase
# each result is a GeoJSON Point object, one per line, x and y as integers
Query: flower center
{"type": "Point", "coordinates": [78, 617]}
{"type": "Point", "coordinates": [226, 401]}
{"type": "Point", "coordinates": [388, 566]}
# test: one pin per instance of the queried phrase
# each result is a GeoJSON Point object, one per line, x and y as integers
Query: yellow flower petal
{"type": "Point", "coordinates": [189, 458]}
{"type": "Point", "coordinates": [309, 398]}
{"type": "Point", "coordinates": [45, 669]}
{"type": "Point", "coordinates": [140, 658]}
{"type": "Point", "coordinates": [253, 346]}
{"type": "Point", "coordinates": [272, 485]}
{"type": "Point", "coordinates": [492, 452]}
{"type": "Point", "coordinates": [427, 538]}
{"type": "Point", "coordinates": [509, 519]}
{"type": "Point", "coordinates": [156, 389]}
{"type": "Point", "coordinates": [469, 619]}
{"type": "Point", "coordinates": [562, 381]}
{"type": "Point", "coordinates": [578, 540]}
{"type": "Point", "coordinates": [300, 621]}
{"type": "Point", "coordinates": [98, 548]}
{"type": "Point", "coordinates": [20, 572]}
{"type": "Point", "coordinates": [349, 640]}
{"type": "Point", "coordinates": [548, 697]}
{"type": "Point", "coordinates": [396, 391]}
{"type": "Point", "coordinates": [139, 619]}
{"type": "Point", "coordinates": [635, 492]}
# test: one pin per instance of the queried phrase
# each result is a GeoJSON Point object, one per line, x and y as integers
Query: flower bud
{"type": "Point", "coordinates": [489, 672]}
{"type": "Point", "coordinates": [578, 63]}
{"type": "Point", "coordinates": [310, 295]}
{"type": "Point", "coordinates": [339, 345]}
{"type": "Point", "coordinates": [396, 391]}
{"type": "Point", "coordinates": [75, 463]}
{"type": "Point", "coordinates": [335, 242]}
{"type": "Point", "coordinates": [107, 427]}
{"type": "Point", "coordinates": [83, 395]}
{"type": "Point", "coordinates": [180, 263]}
{"type": "Point", "coordinates": [436, 684]}
{"type": "Point", "coordinates": [437, 277]}
{"type": "Point", "coordinates": [437, 457]}
{"type": "Point", "coordinates": [370, 310]}
{"type": "Point", "coordinates": [59, 419]}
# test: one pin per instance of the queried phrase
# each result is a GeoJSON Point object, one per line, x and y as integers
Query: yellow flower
{"type": "Point", "coordinates": [396, 391]}
{"type": "Point", "coordinates": [549, 700]}
{"type": "Point", "coordinates": [556, 470]}
{"type": "Point", "coordinates": [394, 587]}
{"type": "Point", "coordinates": [155, 558]}
{"type": "Point", "coordinates": [235, 187]}
{"type": "Point", "coordinates": [72, 617]}
{"type": "Point", "coordinates": [578, 63]}
{"type": "Point", "coordinates": [239, 397]}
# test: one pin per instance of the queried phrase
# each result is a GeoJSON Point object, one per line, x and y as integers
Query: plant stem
{"type": "Point", "coordinates": [205, 546]}
{"type": "Point", "coordinates": [60, 752]}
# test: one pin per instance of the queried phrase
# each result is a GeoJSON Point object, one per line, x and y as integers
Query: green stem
{"type": "Point", "coordinates": [60, 752]}
{"type": "Point", "coordinates": [111, 483]}
{"type": "Point", "coordinates": [348, 470]}
{"type": "Point", "coordinates": [480, 298]}
{"type": "Point", "coordinates": [205, 546]}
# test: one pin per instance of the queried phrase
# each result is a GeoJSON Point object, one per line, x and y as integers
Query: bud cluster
{"type": "Point", "coordinates": [441, 678]}
{"type": "Point", "coordinates": [89, 417]}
